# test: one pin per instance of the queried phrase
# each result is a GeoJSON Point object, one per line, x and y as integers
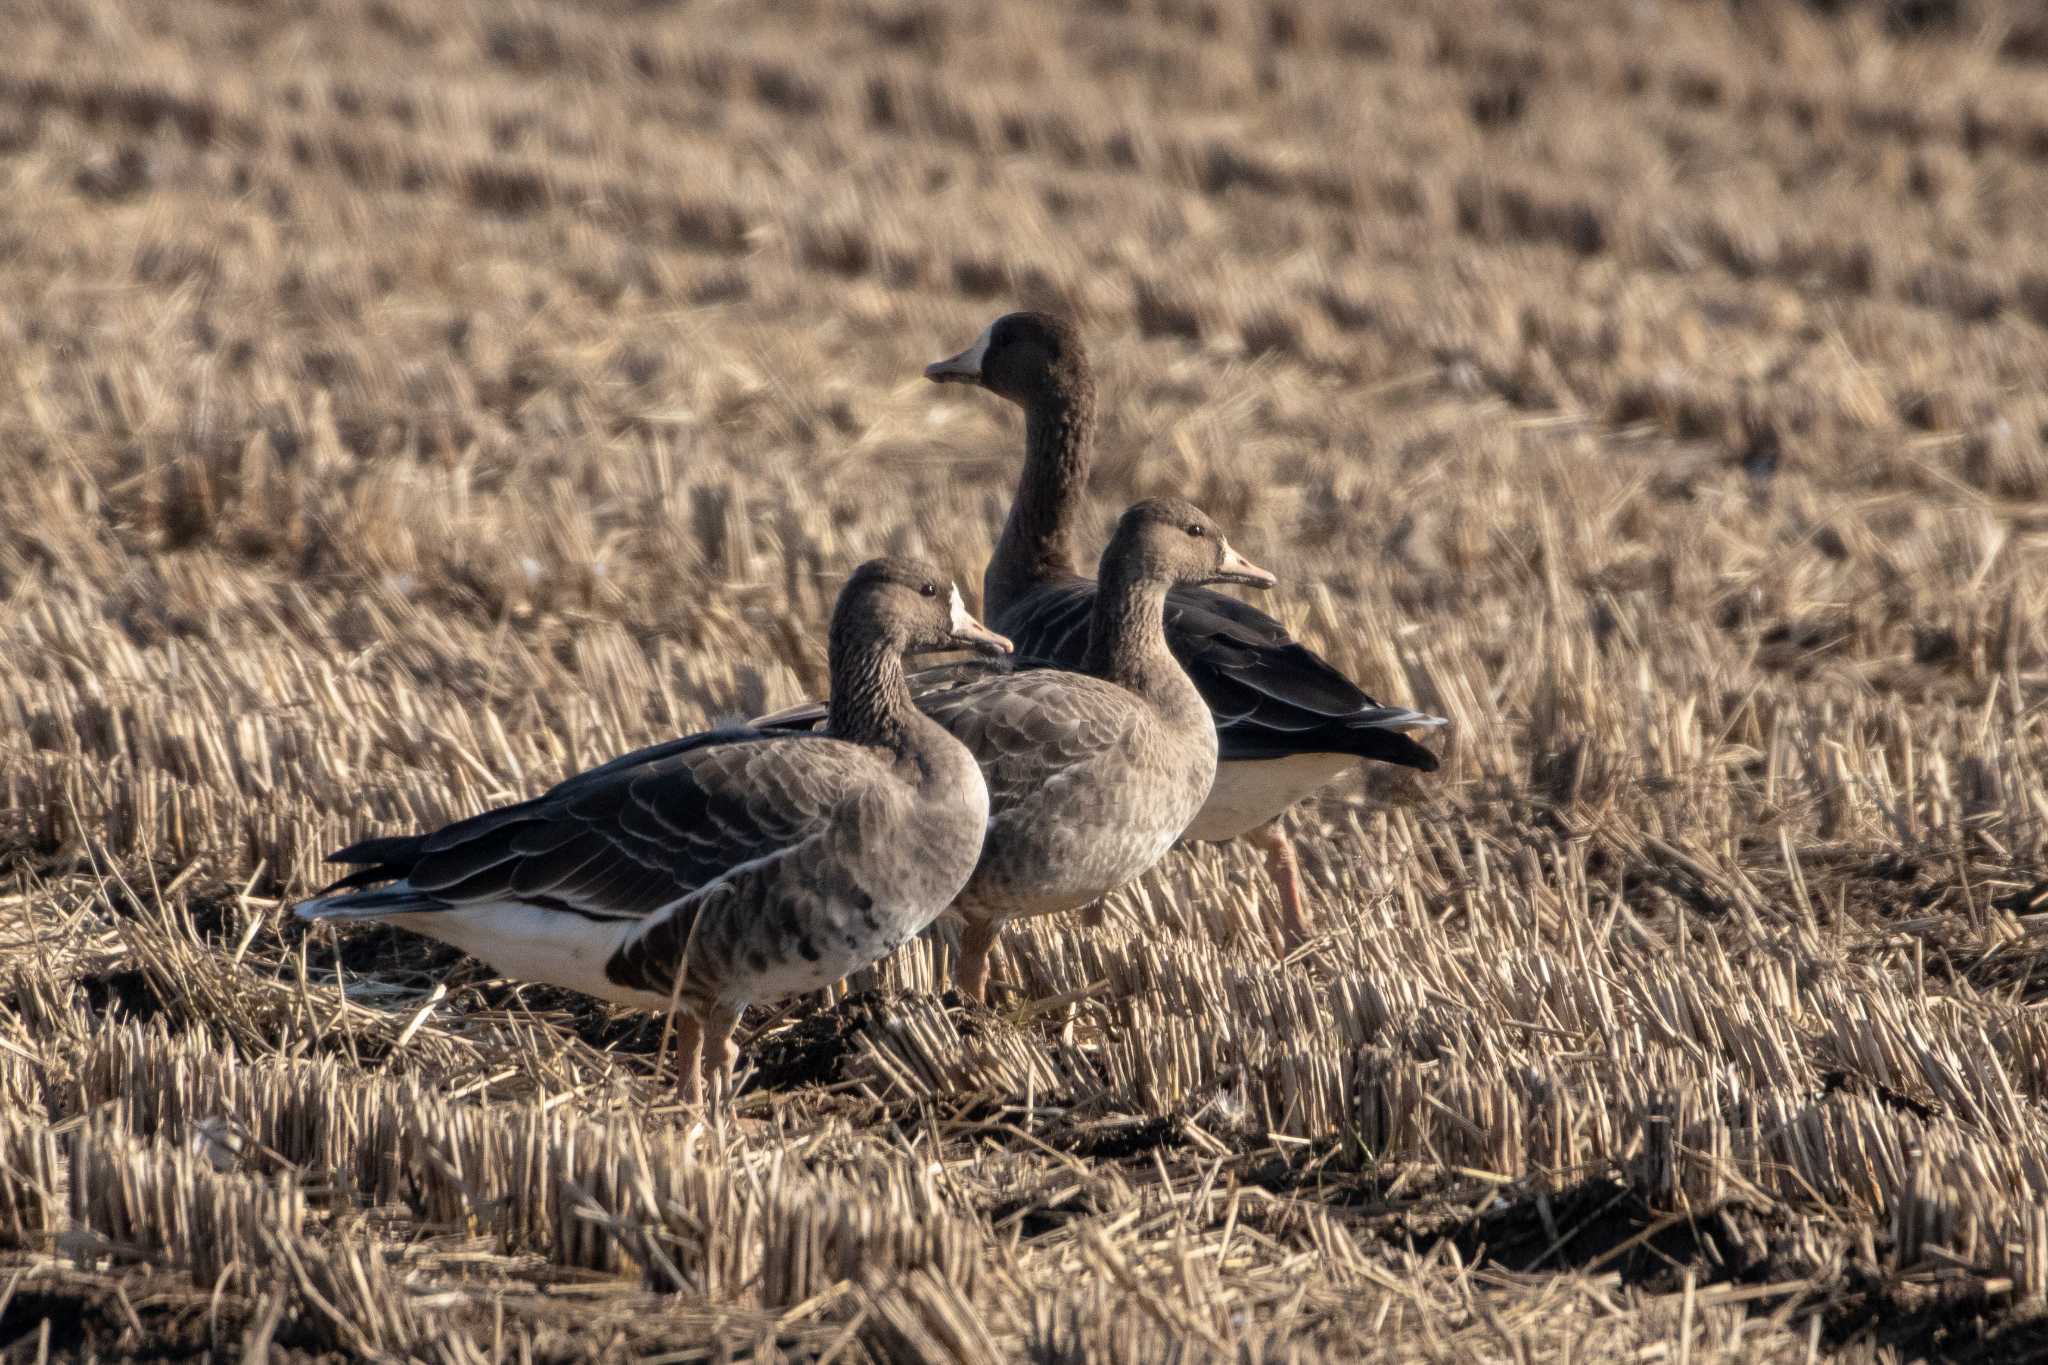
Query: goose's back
{"type": "Point", "coordinates": [1272, 697]}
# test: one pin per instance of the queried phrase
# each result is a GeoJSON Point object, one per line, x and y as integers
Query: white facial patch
{"type": "Point", "coordinates": [961, 620]}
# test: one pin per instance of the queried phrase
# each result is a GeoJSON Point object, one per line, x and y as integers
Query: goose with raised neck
{"type": "Point", "coordinates": [1092, 775]}
{"type": "Point", "coordinates": [1288, 721]}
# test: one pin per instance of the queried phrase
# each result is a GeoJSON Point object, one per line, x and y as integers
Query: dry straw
{"type": "Point", "coordinates": [403, 409]}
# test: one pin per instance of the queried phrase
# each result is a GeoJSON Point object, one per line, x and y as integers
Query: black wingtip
{"type": "Point", "coordinates": [402, 848]}
{"type": "Point", "coordinates": [365, 876]}
{"type": "Point", "coordinates": [390, 858]}
{"type": "Point", "coordinates": [1390, 746]}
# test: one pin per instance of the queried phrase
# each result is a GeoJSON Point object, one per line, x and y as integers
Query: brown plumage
{"type": "Point", "coordinates": [1092, 774]}
{"type": "Point", "coordinates": [723, 868]}
{"type": "Point", "coordinates": [1286, 720]}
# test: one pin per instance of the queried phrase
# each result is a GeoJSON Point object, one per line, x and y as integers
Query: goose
{"type": "Point", "coordinates": [1287, 722]}
{"type": "Point", "coordinates": [738, 865]}
{"type": "Point", "coordinates": [1095, 772]}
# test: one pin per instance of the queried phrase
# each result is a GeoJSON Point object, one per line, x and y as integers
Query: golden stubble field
{"type": "Point", "coordinates": [402, 406]}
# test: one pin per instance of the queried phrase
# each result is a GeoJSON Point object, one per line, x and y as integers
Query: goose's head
{"type": "Point", "coordinates": [1173, 540]}
{"type": "Point", "coordinates": [914, 607]}
{"type": "Point", "coordinates": [1024, 357]}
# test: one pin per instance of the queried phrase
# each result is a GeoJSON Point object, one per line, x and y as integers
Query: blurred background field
{"type": "Point", "coordinates": [403, 405]}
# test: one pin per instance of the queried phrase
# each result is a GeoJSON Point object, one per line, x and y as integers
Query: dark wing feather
{"type": "Point", "coordinates": [393, 856]}
{"type": "Point", "coordinates": [1271, 695]}
{"type": "Point", "coordinates": [626, 839]}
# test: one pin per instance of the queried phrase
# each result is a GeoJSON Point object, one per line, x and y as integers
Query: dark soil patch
{"type": "Point", "coordinates": [1601, 1224]}
{"type": "Point", "coordinates": [370, 949]}
{"type": "Point", "coordinates": [1034, 1217]}
{"type": "Point", "coordinates": [814, 1052]}
{"type": "Point", "coordinates": [2031, 901]}
{"type": "Point", "coordinates": [18, 846]}
{"type": "Point", "coordinates": [1123, 1141]}
{"type": "Point", "coordinates": [1834, 1082]}
{"type": "Point", "coordinates": [1965, 1327]}
{"type": "Point", "coordinates": [91, 1323]}
{"type": "Point", "coordinates": [634, 1034]}
{"type": "Point", "coordinates": [1323, 1176]}
{"type": "Point", "coordinates": [128, 992]}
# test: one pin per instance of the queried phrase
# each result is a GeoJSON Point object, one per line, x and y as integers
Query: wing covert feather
{"type": "Point", "coordinates": [1047, 719]}
{"type": "Point", "coordinates": [629, 839]}
{"type": "Point", "coordinates": [1271, 695]}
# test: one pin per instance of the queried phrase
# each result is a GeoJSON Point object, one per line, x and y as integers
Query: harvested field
{"type": "Point", "coordinates": [402, 406]}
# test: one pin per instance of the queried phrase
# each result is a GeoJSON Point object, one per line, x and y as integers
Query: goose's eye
{"type": "Point", "coordinates": [1194, 528]}
{"type": "Point", "coordinates": [930, 590]}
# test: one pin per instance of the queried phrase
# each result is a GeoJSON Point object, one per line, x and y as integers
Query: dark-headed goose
{"type": "Point", "coordinates": [1093, 774]}
{"type": "Point", "coordinates": [727, 867]}
{"type": "Point", "coordinates": [1286, 721]}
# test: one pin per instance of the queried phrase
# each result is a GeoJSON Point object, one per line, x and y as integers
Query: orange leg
{"type": "Point", "coordinates": [689, 1057]}
{"type": "Point", "coordinates": [721, 1052]}
{"type": "Point", "coordinates": [970, 969]}
{"type": "Point", "coordinates": [1285, 868]}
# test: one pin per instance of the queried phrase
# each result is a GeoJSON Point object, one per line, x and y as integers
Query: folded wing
{"type": "Point", "coordinates": [1272, 696]}
{"type": "Point", "coordinates": [622, 841]}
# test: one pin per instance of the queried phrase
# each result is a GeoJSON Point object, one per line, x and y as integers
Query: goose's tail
{"type": "Point", "coordinates": [358, 895]}
{"type": "Point", "coordinates": [1375, 733]}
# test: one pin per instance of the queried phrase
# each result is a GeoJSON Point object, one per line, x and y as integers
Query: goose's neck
{"type": "Point", "coordinates": [871, 702]}
{"type": "Point", "coordinates": [1037, 544]}
{"type": "Point", "coordinates": [1127, 634]}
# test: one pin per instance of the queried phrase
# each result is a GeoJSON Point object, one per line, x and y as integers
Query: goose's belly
{"type": "Point", "coordinates": [806, 927]}
{"type": "Point", "coordinates": [783, 969]}
{"type": "Point", "coordinates": [1043, 876]}
{"type": "Point", "coordinates": [524, 942]}
{"type": "Point", "coordinates": [1249, 793]}
{"type": "Point", "coordinates": [771, 959]}
{"type": "Point", "coordinates": [1076, 843]}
